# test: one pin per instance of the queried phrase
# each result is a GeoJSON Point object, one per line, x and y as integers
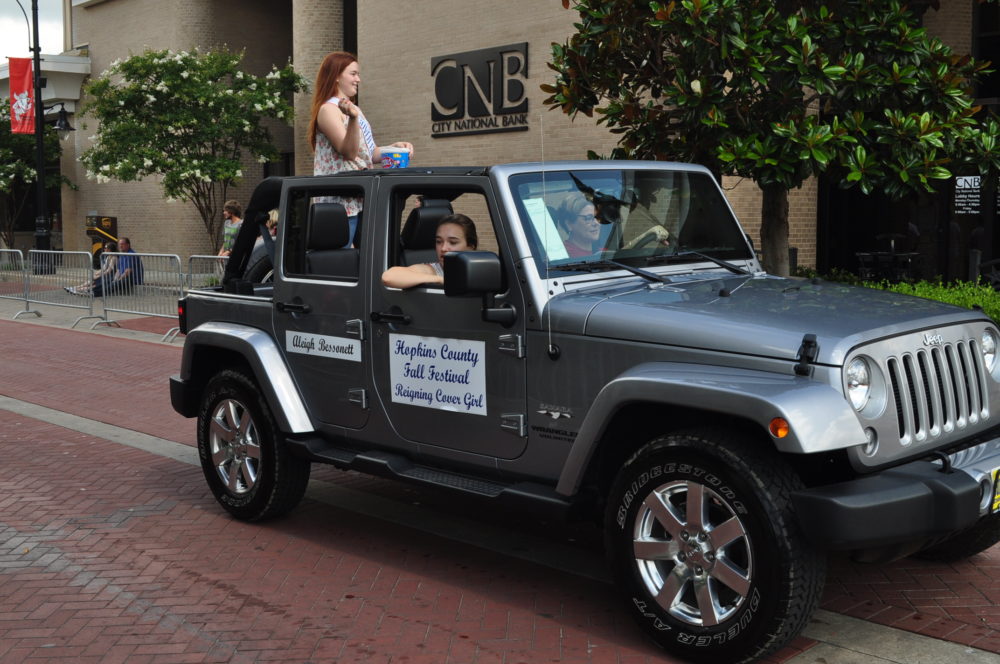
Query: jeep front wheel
{"type": "Point", "coordinates": [243, 453]}
{"type": "Point", "coordinates": [702, 538]}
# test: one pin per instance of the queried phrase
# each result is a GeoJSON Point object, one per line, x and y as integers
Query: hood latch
{"type": "Point", "coordinates": [807, 355]}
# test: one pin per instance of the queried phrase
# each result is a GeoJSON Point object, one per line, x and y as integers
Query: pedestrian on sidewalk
{"type": "Point", "coordinates": [232, 213]}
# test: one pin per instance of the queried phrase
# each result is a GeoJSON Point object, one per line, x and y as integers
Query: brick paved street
{"type": "Point", "coordinates": [109, 553]}
{"type": "Point", "coordinates": [114, 553]}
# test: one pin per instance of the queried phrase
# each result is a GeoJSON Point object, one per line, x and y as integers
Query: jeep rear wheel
{"type": "Point", "coordinates": [243, 454]}
{"type": "Point", "coordinates": [702, 538]}
{"type": "Point", "coordinates": [259, 269]}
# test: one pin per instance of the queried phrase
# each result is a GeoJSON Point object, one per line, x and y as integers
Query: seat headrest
{"type": "Point", "coordinates": [421, 225]}
{"type": "Point", "coordinates": [436, 202]}
{"type": "Point", "coordinates": [328, 226]}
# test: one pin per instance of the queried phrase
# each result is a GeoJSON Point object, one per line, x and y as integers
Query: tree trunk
{"type": "Point", "coordinates": [774, 229]}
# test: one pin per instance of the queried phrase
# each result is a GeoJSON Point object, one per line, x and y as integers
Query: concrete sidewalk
{"type": "Point", "coordinates": [112, 549]}
{"type": "Point", "coordinates": [126, 326]}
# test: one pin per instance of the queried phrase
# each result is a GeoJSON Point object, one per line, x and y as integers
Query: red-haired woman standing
{"type": "Point", "coordinates": [338, 131]}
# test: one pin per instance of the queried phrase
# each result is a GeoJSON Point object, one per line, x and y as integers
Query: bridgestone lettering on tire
{"type": "Point", "coordinates": [243, 454]}
{"type": "Point", "coordinates": [702, 538]}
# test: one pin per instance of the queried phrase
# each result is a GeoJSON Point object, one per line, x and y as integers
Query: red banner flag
{"type": "Point", "coordinates": [22, 98]}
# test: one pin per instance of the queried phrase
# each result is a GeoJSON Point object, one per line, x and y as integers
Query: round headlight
{"type": "Point", "coordinates": [989, 344]}
{"type": "Point", "coordinates": [859, 382]}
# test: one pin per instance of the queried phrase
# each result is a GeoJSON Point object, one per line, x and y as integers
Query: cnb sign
{"type": "Point", "coordinates": [480, 92]}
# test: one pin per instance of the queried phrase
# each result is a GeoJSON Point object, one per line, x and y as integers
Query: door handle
{"type": "Point", "coordinates": [391, 317]}
{"type": "Point", "coordinates": [293, 307]}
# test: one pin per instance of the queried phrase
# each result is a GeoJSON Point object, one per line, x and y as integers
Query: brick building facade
{"type": "Point", "coordinates": [396, 43]}
{"type": "Point", "coordinates": [107, 30]}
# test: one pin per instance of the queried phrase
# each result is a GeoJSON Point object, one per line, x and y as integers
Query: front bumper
{"type": "Point", "coordinates": [918, 501]}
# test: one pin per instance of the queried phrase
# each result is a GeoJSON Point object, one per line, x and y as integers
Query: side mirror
{"type": "Point", "coordinates": [478, 273]}
{"type": "Point", "coordinates": [472, 273]}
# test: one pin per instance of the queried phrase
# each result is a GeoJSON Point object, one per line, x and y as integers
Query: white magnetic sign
{"type": "Point", "coordinates": [447, 374]}
{"type": "Point", "coordinates": [338, 348]}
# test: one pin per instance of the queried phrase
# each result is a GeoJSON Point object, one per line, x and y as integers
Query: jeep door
{"type": "Point", "coordinates": [319, 302]}
{"type": "Point", "coordinates": [444, 378]}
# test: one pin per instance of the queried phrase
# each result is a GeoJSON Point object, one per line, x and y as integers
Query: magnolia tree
{"type": "Point", "coordinates": [777, 91]}
{"type": "Point", "coordinates": [188, 118]}
{"type": "Point", "coordinates": [17, 171]}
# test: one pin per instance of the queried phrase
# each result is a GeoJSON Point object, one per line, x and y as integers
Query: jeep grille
{"type": "Point", "coordinates": [938, 390]}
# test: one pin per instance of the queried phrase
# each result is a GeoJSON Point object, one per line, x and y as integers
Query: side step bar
{"type": "Point", "coordinates": [394, 466]}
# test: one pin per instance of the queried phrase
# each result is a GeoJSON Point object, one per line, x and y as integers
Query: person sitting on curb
{"type": "Point", "coordinates": [128, 272]}
{"type": "Point", "coordinates": [107, 270]}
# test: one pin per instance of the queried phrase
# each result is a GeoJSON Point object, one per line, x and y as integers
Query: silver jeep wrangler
{"type": "Point", "coordinates": [610, 349]}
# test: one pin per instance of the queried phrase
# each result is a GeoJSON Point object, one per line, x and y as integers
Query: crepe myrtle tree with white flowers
{"type": "Point", "coordinates": [187, 117]}
{"type": "Point", "coordinates": [17, 171]}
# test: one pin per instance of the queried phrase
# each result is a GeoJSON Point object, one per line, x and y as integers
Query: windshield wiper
{"type": "Point", "coordinates": [687, 253]}
{"type": "Point", "coordinates": [595, 266]}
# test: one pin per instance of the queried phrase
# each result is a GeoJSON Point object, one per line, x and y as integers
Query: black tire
{"type": "Point", "coordinates": [967, 543]}
{"type": "Point", "coordinates": [736, 586]}
{"type": "Point", "coordinates": [243, 454]}
{"type": "Point", "coordinates": [259, 270]}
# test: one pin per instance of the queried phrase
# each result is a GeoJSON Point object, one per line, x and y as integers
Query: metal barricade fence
{"type": "Point", "coordinates": [12, 277]}
{"type": "Point", "coordinates": [51, 277]}
{"type": "Point", "coordinates": [162, 284]}
{"type": "Point", "coordinates": [205, 271]}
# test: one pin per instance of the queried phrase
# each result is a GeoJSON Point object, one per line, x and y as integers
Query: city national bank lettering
{"type": "Point", "coordinates": [448, 374]}
{"type": "Point", "coordinates": [480, 92]}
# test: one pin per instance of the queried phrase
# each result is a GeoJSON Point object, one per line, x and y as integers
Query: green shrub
{"type": "Point", "coordinates": [839, 275]}
{"type": "Point", "coordinates": [962, 293]}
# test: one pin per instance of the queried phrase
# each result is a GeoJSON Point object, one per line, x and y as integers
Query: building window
{"type": "Point", "coordinates": [986, 32]}
{"type": "Point", "coordinates": [284, 165]}
{"type": "Point", "coordinates": [351, 26]}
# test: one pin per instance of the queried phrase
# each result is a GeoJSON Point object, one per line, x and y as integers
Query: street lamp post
{"type": "Point", "coordinates": [42, 233]}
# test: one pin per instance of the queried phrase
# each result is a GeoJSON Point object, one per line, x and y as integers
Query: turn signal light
{"type": "Point", "coordinates": [779, 427]}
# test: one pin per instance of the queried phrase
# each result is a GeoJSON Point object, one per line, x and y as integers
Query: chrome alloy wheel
{"type": "Point", "coordinates": [234, 446]}
{"type": "Point", "coordinates": [693, 553]}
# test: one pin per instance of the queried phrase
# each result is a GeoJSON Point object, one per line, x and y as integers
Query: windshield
{"type": "Point", "coordinates": [637, 217]}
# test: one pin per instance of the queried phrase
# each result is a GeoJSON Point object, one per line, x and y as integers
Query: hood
{"type": "Point", "coordinates": [762, 315]}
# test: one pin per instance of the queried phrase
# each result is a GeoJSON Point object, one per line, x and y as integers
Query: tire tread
{"type": "Point", "coordinates": [291, 474]}
{"type": "Point", "coordinates": [806, 567]}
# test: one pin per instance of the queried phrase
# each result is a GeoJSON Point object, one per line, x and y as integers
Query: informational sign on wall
{"type": "Point", "coordinates": [968, 195]}
{"type": "Point", "coordinates": [447, 374]}
{"type": "Point", "coordinates": [480, 92]}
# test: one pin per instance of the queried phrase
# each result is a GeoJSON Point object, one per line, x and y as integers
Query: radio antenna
{"type": "Point", "coordinates": [552, 349]}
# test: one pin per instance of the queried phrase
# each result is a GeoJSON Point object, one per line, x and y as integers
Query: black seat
{"type": "Point", "coordinates": [329, 232]}
{"type": "Point", "coordinates": [417, 238]}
